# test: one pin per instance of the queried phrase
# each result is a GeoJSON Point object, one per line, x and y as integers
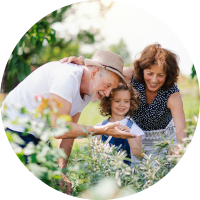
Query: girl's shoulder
{"type": "Point", "coordinates": [135, 129]}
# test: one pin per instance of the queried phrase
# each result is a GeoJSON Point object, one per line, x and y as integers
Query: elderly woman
{"type": "Point", "coordinates": [160, 110]}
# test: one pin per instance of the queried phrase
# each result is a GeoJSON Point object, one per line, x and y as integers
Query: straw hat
{"type": "Point", "coordinates": [108, 60]}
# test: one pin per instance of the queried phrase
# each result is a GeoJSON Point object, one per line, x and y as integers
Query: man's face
{"type": "Point", "coordinates": [102, 85]}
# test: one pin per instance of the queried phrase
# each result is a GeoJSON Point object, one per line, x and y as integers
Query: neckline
{"type": "Point", "coordinates": [145, 99]}
{"type": "Point", "coordinates": [116, 121]}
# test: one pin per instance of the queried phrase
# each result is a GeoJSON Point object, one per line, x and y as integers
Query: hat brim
{"type": "Point", "coordinates": [91, 62]}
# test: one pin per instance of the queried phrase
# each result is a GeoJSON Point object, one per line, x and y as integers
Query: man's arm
{"type": "Point", "coordinates": [78, 130]}
{"type": "Point", "coordinates": [66, 144]}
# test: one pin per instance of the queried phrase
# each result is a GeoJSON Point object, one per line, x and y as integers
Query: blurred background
{"type": "Point", "coordinates": [82, 28]}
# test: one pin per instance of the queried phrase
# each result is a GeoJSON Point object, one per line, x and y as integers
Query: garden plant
{"type": "Point", "coordinates": [93, 166]}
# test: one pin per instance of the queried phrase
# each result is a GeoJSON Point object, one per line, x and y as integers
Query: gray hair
{"type": "Point", "coordinates": [102, 71]}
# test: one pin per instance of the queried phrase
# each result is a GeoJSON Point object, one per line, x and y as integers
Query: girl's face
{"type": "Point", "coordinates": [154, 77]}
{"type": "Point", "coordinates": [120, 104]}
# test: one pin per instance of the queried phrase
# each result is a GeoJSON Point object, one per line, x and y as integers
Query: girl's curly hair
{"type": "Point", "coordinates": [105, 103]}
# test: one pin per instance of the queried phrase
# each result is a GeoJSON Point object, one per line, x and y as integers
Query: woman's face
{"type": "Point", "coordinates": [154, 77]}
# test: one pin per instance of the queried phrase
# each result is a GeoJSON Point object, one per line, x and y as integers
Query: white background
{"type": "Point", "coordinates": [137, 28]}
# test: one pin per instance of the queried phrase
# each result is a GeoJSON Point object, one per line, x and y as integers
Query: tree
{"type": "Point", "coordinates": [122, 50]}
{"type": "Point", "coordinates": [18, 67]}
{"type": "Point", "coordinates": [40, 44]}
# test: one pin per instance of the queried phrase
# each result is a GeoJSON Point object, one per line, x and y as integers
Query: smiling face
{"type": "Point", "coordinates": [154, 78]}
{"type": "Point", "coordinates": [120, 103]}
{"type": "Point", "coordinates": [101, 85]}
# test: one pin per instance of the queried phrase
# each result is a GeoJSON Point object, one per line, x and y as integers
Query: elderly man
{"type": "Point", "coordinates": [74, 87]}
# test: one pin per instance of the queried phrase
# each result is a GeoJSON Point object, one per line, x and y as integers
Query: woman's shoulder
{"type": "Point", "coordinates": [128, 73]}
{"type": "Point", "coordinates": [170, 91]}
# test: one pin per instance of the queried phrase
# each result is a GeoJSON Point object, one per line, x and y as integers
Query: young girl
{"type": "Point", "coordinates": [122, 102]}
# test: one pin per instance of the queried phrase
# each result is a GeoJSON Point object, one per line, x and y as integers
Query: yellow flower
{"type": "Point", "coordinates": [66, 117]}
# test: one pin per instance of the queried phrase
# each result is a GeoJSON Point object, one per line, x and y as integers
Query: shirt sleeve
{"type": "Point", "coordinates": [64, 83]}
{"type": "Point", "coordinates": [135, 129]}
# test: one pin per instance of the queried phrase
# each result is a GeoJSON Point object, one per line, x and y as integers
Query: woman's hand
{"type": "Point", "coordinates": [123, 128]}
{"type": "Point", "coordinates": [174, 151]}
{"type": "Point", "coordinates": [73, 59]}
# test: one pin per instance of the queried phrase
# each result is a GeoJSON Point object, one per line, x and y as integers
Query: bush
{"type": "Point", "coordinates": [93, 166]}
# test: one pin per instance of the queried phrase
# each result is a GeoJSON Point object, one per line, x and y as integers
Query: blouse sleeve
{"type": "Point", "coordinates": [173, 90]}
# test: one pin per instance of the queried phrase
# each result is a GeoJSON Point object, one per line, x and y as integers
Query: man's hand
{"type": "Point", "coordinates": [65, 185]}
{"type": "Point", "coordinates": [123, 128]}
{"type": "Point", "coordinates": [112, 129]}
{"type": "Point", "coordinates": [73, 59]}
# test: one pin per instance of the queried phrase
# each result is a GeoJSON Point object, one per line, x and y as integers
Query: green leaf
{"type": "Point", "coordinates": [39, 44]}
{"type": "Point", "coordinates": [17, 139]}
{"type": "Point", "coordinates": [16, 47]}
{"type": "Point", "coordinates": [193, 74]}
{"type": "Point", "coordinates": [53, 36]}
{"type": "Point", "coordinates": [29, 149]}
{"type": "Point", "coordinates": [14, 60]}
{"type": "Point", "coordinates": [21, 157]}
{"type": "Point", "coordinates": [27, 69]}
{"type": "Point", "coordinates": [163, 137]}
{"type": "Point", "coordinates": [54, 13]}
{"type": "Point", "coordinates": [32, 158]}
{"type": "Point", "coordinates": [9, 136]}
{"type": "Point", "coordinates": [20, 77]}
{"type": "Point", "coordinates": [33, 40]}
{"type": "Point", "coordinates": [37, 170]}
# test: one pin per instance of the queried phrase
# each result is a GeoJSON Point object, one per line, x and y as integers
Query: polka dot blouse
{"type": "Point", "coordinates": [157, 115]}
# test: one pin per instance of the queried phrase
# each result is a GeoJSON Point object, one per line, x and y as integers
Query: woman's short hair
{"type": "Point", "coordinates": [155, 55]}
{"type": "Point", "coordinates": [105, 103]}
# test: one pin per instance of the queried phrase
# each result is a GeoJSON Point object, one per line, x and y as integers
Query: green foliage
{"type": "Point", "coordinates": [122, 50]}
{"type": "Point", "coordinates": [194, 73]}
{"type": "Point", "coordinates": [42, 159]}
{"type": "Point", "coordinates": [93, 166]}
{"type": "Point", "coordinates": [32, 38]}
{"type": "Point", "coordinates": [31, 43]}
{"type": "Point", "coordinates": [94, 162]}
{"type": "Point", "coordinates": [41, 44]}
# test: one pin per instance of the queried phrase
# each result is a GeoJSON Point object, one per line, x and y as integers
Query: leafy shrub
{"type": "Point", "coordinates": [92, 167]}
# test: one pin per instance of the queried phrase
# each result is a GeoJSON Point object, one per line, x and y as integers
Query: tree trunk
{"type": "Point", "coordinates": [4, 80]}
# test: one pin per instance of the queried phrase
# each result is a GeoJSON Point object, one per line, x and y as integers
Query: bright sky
{"type": "Point", "coordinates": [138, 28]}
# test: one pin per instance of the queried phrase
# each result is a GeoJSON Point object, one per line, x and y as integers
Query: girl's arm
{"type": "Point", "coordinates": [135, 146]}
{"type": "Point", "coordinates": [134, 143]}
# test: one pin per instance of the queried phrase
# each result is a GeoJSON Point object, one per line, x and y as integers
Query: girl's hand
{"type": "Point", "coordinates": [73, 59]}
{"type": "Point", "coordinates": [123, 128]}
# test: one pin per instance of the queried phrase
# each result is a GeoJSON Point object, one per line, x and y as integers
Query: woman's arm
{"type": "Point", "coordinates": [128, 73]}
{"type": "Point", "coordinates": [175, 104]}
{"type": "Point", "coordinates": [73, 59]}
